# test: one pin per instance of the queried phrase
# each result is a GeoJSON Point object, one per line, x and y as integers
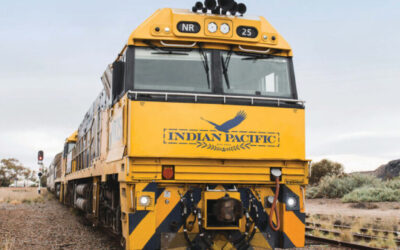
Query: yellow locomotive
{"type": "Point", "coordinates": [197, 139]}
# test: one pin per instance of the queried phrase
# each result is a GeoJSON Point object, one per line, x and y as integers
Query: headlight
{"type": "Point", "coordinates": [292, 203]}
{"type": "Point", "coordinates": [225, 28]}
{"type": "Point", "coordinates": [212, 27]}
{"type": "Point", "coordinates": [144, 200]}
{"type": "Point", "coordinates": [269, 200]}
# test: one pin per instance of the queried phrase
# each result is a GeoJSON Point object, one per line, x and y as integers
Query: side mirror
{"type": "Point", "coordinates": [117, 79]}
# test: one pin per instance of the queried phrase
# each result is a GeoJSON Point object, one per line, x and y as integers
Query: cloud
{"type": "Point", "coordinates": [24, 145]}
{"type": "Point", "coordinates": [359, 151]}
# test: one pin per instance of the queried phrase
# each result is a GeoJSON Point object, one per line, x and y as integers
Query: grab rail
{"type": "Point", "coordinates": [254, 50]}
{"type": "Point", "coordinates": [252, 98]}
{"type": "Point", "coordinates": [178, 45]}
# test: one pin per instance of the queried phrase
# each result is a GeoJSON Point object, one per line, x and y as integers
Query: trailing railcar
{"type": "Point", "coordinates": [54, 167]}
{"type": "Point", "coordinates": [197, 139]}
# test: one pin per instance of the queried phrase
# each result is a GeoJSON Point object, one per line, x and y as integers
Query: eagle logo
{"type": "Point", "coordinates": [228, 125]}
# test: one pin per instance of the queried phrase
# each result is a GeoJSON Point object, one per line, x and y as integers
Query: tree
{"type": "Point", "coordinates": [11, 170]}
{"type": "Point", "coordinates": [323, 168]}
{"type": "Point", "coordinates": [43, 179]}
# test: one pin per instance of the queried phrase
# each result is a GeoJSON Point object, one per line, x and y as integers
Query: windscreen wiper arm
{"type": "Point", "coordinates": [206, 65]}
{"type": "Point", "coordinates": [225, 65]}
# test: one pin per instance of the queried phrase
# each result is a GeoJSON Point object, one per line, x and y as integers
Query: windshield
{"type": "Point", "coordinates": [258, 75]}
{"type": "Point", "coordinates": [171, 71]}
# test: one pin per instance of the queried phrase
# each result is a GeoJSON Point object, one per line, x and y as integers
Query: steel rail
{"type": "Point", "coordinates": [355, 235]}
{"type": "Point", "coordinates": [340, 243]}
{"type": "Point", "coordinates": [362, 230]}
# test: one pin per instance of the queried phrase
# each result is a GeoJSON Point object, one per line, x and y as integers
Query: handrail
{"type": "Point", "coordinates": [196, 95]}
{"type": "Point", "coordinates": [178, 45]}
{"type": "Point", "coordinates": [254, 50]}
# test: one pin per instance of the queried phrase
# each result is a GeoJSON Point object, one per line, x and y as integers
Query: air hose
{"type": "Point", "coordinates": [274, 209]}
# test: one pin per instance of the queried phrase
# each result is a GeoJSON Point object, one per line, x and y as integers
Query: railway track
{"type": "Point", "coordinates": [362, 230]}
{"type": "Point", "coordinates": [339, 243]}
{"type": "Point", "coordinates": [362, 235]}
{"type": "Point", "coordinates": [357, 236]}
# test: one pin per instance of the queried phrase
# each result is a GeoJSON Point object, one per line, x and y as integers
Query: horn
{"type": "Point", "coordinates": [241, 8]}
{"type": "Point", "coordinates": [234, 8]}
{"type": "Point", "coordinates": [199, 5]}
{"type": "Point", "coordinates": [210, 4]}
{"type": "Point", "coordinates": [216, 11]}
{"type": "Point", "coordinates": [226, 5]}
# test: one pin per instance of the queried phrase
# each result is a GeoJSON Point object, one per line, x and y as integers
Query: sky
{"type": "Point", "coordinates": [346, 56]}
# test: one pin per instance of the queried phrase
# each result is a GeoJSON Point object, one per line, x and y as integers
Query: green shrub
{"type": "Point", "coordinates": [324, 168]}
{"type": "Point", "coordinates": [312, 192]}
{"type": "Point", "coordinates": [372, 194]}
{"type": "Point", "coordinates": [393, 184]}
{"type": "Point", "coordinates": [338, 186]}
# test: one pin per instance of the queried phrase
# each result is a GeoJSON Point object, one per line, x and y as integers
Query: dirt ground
{"type": "Point", "coordinates": [336, 207]}
{"type": "Point", "coordinates": [32, 221]}
{"type": "Point", "coordinates": [46, 224]}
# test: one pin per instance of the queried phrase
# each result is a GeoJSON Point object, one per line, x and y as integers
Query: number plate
{"type": "Point", "coordinates": [246, 31]}
{"type": "Point", "coordinates": [188, 27]}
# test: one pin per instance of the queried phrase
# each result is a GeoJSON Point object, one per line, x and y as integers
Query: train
{"type": "Point", "coordinates": [53, 173]}
{"type": "Point", "coordinates": [197, 139]}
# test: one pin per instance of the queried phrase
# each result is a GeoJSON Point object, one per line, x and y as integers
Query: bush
{"type": "Point", "coordinates": [324, 168]}
{"type": "Point", "coordinates": [394, 184]}
{"type": "Point", "coordinates": [372, 194]}
{"type": "Point", "coordinates": [338, 186]}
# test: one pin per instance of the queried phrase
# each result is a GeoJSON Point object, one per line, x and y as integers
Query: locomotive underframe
{"type": "Point", "coordinates": [112, 203]}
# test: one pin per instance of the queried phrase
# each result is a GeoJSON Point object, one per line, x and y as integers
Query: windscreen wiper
{"type": "Point", "coordinates": [225, 65]}
{"type": "Point", "coordinates": [206, 65]}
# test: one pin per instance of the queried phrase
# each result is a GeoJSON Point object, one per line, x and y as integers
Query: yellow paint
{"type": "Point", "coordinates": [166, 202]}
{"type": "Point", "coordinates": [143, 232]}
{"type": "Point", "coordinates": [166, 20]}
{"type": "Point", "coordinates": [221, 243]}
{"type": "Point", "coordinates": [291, 224]}
{"type": "Point", "coordinates": [149, 133]}
{"type": "Point", "coordinates": [73, 137]}
{"type": "Point", "coordinates": [293, 227]}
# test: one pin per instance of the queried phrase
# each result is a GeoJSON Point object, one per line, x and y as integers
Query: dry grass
{"type": "Point", "coordinates": [346, 236]}
{"type": "Point", "coordinates": [356, 224]}
{"type": "Point", "coordinates": [19, 195]}
{"type": "Point", "coordinates": [7, 244]}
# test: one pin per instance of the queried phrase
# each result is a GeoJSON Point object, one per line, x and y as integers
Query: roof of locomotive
{"type": "Point", "coordinates": [72, 137]}
{"type": "Point", "coordinates": [164, 27]}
